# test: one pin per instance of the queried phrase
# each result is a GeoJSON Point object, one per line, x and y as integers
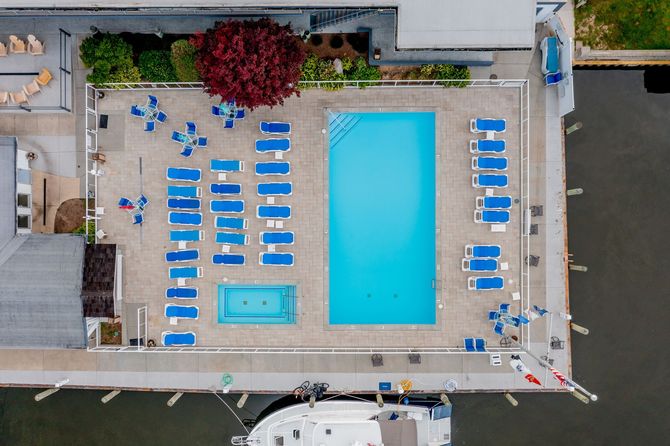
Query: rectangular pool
{"type": "Point", "coordinates": [256, 304]}
{"type": "Point", "coordinates": [382, 218]}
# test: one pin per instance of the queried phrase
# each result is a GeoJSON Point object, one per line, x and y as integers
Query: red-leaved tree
{"type": "Point", "coordinates": [254, 62]}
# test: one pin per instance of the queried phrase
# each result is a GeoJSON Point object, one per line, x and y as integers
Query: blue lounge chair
{"type": "Point", "coordinates": [172, 339]}
{"type": "Point", "coordinates": [136, 111]}
{"type": "Point", "coordinates": [179, 137]}
{"type": "Point", "coordinates": [487, 146]}
{"type": "Point", "coordinates": [153, 102]}
{"type": "Point", "coordinates": [149, 126]}
{"type": "Point", "coordinates": [489, 180]}
{"type": "Point", "coordinates": [229, 124]}
{"type": "Point", "coordinates": [550, 59]}
{"type": "Point", "coordinates": [226, 166]}
{"type": "Point", "coordinates": [503, 308]}
{"type": "Point", "coordinates": [273, 211]}
{"type": "Point", "coordinates": [126, 203]}
{"type": "Point", "coordinates": [523, 319]}
{"type": "Point", "coordinates": [486, 283]}
{"type": "Point", "coordinates": [191, 204]}
{"type": "Point", "coordinates": [189, 235]}
{"type": "Point", "coordinates": [499, 328]}
{"type": "Point", "coordinates": [553, 79]}
{"type": "Point", "coordinates": [275, 189]}
{"type": "Point", "coordinates": [273, 145]}
{"type": "Point", "coordinates": [276, 258]}
{"type": "Point", "coordinates": [183, 174]}
{"type": "Point", "coordinates": [228, 259]}
{"type": "Point", "coordinates": [493, 315]}
{"type": "Point", "coordinates": [181, 311]}
{"type": "Point", "coordinates": [484, 216]}
{"type": "Point", "coordinates": [138, 218]}
{"type": "Point", "coordinates": [275, 128]}
{"type": "Point", "coordinates": [225, 188]}
{"type": "Point", "coordinates": [221, 222]}
{"type": "Point", "coordinates": [482, 251]}
{"type": "Point", "coordinates": [190, 128]}
{"type": "Point", "coordinates": [184, 255]}
{"type": "Point", "coordinates": [479, 264]}
{"type": "Point", "coordinates": [236, 206]}
{"type": "Point", "coordinates": [489, 163]}
{"type": "Point", "coordinates": [161, 116]}
{"type": "Point", "coordinates": [186, 151]}
{"type": "Point", "coordinates": [184, 191]}
{"type": "Point", "coordinates": [185, 218]}
{"type": "Point", "coordinates": [239, 114]}
{"type": "Point", "coordinates": [142, 202]}
{"type": "Point", "coordinates": [185, 272]}
{"type": "Point", "coordinates": [181, 293]}
{"type": "Point", "coordinates": [469, 344]}
{"type": "Point", "coordinates": [493, 202]}
{"type": "Point", "coordinates": [232, 238]}
{"type": "Point", "coordinates": [273, 168]}
{"type": "Point", "coordinates": [216, 111]}
{"type": "Point", "coordinates": [202, 141]}
{"type": "Point", "coordinates": [277, 238]}
{"type": "Point", "coordinates": [480, 125]}
{"type": "Point", "coordinates": [480, 344]}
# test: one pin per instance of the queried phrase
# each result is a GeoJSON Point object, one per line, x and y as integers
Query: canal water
{"type": "Point", "coordinates": [618, 228]}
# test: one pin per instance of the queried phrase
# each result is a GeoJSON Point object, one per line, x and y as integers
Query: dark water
{"type": "Point", "coordinates": [619, 228]}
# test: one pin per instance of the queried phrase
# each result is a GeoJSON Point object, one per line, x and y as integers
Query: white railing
{"type": "Point", "coordinates": [91, 141]}
{"type": "Point", "coordinates": [306, 350]}
{"type": "Point", "coordinates": [524, 211]}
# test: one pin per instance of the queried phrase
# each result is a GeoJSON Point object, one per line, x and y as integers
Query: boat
{"type": "Point", "coordinates": [353, 423]}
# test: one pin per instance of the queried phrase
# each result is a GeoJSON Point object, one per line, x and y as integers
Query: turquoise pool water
{"type": "Point", "coordinates": [256, 304]}
{"type": "Point", "coordinates": [382, 218]}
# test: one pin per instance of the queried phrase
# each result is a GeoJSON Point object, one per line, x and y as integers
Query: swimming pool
{"type": "Point", "coordinates": [256, 304]}
{"type": "Point", "coordinates": [381, 214]}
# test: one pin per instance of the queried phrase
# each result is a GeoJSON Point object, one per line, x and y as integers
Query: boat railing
{"type": "Point", "coordinates": [245, 440]}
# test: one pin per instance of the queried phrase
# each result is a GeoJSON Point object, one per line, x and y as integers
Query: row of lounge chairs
{"type": "Point", "coordinates": [483, 258]}
{"type": "Point", "coordinates": [28, 90]}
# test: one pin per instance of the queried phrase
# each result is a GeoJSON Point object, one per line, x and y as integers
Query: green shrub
{"type": "Point", "coordinates": [445, 71]}
{"type": "Point", "coordinates": [81, 230]}
{"type": "Point", "coordinates": [110, 57]}
{"type": "Point", "coordinates": [315, 69]}
{"type": "Point", "coordinates": [183, 59]}
{"type": "Point", "coordinates": [156, 66]}
{"type": "Point", "coordinates": [362, 71]}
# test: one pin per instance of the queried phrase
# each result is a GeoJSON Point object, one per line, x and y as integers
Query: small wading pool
{"type": "Point", "coordinates": [256, 304]}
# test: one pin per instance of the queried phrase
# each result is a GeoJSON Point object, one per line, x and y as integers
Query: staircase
{"type": "Point", "coordinates": [340, 124]}
{"type": "Point", "coordinates": [323, 19]}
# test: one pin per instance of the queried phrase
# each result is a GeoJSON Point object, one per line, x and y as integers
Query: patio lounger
{"type": "Point", "coordinates": [469, 344]}
{"type": "Point", "coordinates": [190, 128]}
{"type": "Point", "coordinates": [271, 211]}
{"type": "Point", "coordinates": [273, 145]}
{"type": "Point", "coordinates": [179, 137]}
{"type": "Point", "coordinates": [161, 116]}
{"type": "Point", "coordinates": [136, 111]}
{"type": "Point", "coordinates": [18, 97]}
{"type": "Point", "coordinates": [149, 126]}
{"type": "Point", "coordinates": [181, 293]}
{"type": "Point", "coordinates": [138, 218]}
{"type": "Point", "coordinates": [216, 111]}
{"type": "Point", "coordinates": [183, 174]}
{"type": "Point", "coordinates": [489, 163]}
{"type": "Point", "coordinates": [239, 114]}
{"type": "Point", "coordinates": [170, 338]}
{"type": "Point", "coordinates": [142, 202]}
{"type": "Point", "coordinates": [184, 255]}
{"type": "Point", "coordinates": [273, 168]}
{"type": "Point", "coordinates": [4, 96]}
{"type": "Point", "coordinates": [228, 259]}
{"type": "Point", "coordinates": [486, 283]}
{"type": "Point", "coordinates": [185, 218]}
{"type": "Point", "coordinates": [489, 180]}
{"type": "Point", "coordinates": [550, 59]}
{"type": "Point", "coordinates": [221, 222]}
{"type": "Point", "coordinates": [552, 79]}
{"type": "Point", "coordinates": [499, 328]}
{"type": "Point", "coordinates": [276, 258]}
{"type": "Point", "coordinates": [503, 308]}
{"type": "Point", "coordinates": [493, 202]}
{"type": "Point", "coordinates": [277, 238]}
{"type": "Point", "coordinates": [3, 50]}
{"type": "Point", "coordinates": [484, 216]}
{"type": "Point", "coordinates": [44, 77]}
{"type": "Point", "coordinates": [226, 166]}
{"type": "Point", "coordinates": [493, 315]}
{"type": "Point", "coordinates": [187, 151]}
{"type": "Point", "coordinates": [181, 311]}
{"type": "Point", "coordinates": [480, 344]}
{"type": "Point", "coordinates": [275, 189]}
{"type": "Point", "coordinates": [236, 206]}
{"type": "Point", "coordinates": [479, 265]}
{"type": "Point", "coordinates": [225, 188]}
{"type": "Point", "coordinates": [16, 45]}
{"type": "Point", "coordinates": [276, 128]}
{"type": "Point", "coordinates": [202, 141]}
{"type": "Point", "coordinates": [232, 238]}
{"type": "Point", "coordinates": [126, 203]}
{"type": "Point", "coordinates": [229, 124]}
{"type": "Point", "coordinates": [482, 251]}
{"type": "Point", "coordinates": [185, 272]}
{"type": "Point", "coordinates": [481, 125]}
{"type": "Point", "coordinates": [188, 235]}
{"type": "Point", "coordinates": [191, 204]}
{"type": "Point", "coordinates": [487, 145]}
{"type": "Point", "coordinates": [31, 88]}
{"type": "Point", "coordinates": [152, 102]}
{"type": "Point", "coordinates": [184, 191]}
{"type": "Point", "coordinates": [35, 47]}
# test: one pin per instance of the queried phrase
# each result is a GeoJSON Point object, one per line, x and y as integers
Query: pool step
{"type": "Point", "coordinates": [340, 126]}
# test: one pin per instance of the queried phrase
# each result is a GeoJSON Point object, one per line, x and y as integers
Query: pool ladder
{"type": "Point", "coordinates": [339, 126]}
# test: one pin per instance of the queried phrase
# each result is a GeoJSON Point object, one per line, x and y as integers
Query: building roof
{"type": "Point", "coordinates": [97, 292]}
{"type": "Point", "coordinates": [7, 189]}
{"type": "Point", "coordinates": [40, 289]}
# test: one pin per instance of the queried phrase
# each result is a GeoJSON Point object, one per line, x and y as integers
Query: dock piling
{"type": "Point", "coordinates": [171, 402]}
{"type": "Point", "coordinates": [511, 399]}
{"type": "Point", "coordinates": [579, 329]}
{"type": "Point", "coordinates": [580, 397]}
{"type": "Point", "coordinates": [107, 398]}
{"type": "Point", "coordinates": [579, 268]}
{"type": "Point", "coordinates": [242, 401]}
{"type": "Point", "coordinates": [573, 128]}
{"type": "Point", "coordinates": [576, 191]}
{"type": "Point", "coordinates": [40, 396]}
{"type": "Point", "coordinates": [380, 400]}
